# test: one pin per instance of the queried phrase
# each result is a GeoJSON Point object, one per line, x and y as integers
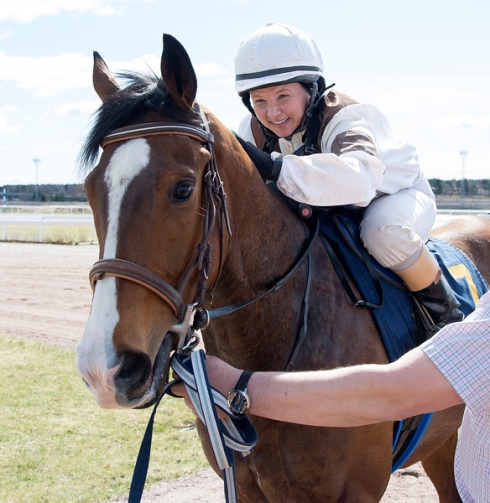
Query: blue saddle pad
{"type": "Point", "coordinates": [394, 318]}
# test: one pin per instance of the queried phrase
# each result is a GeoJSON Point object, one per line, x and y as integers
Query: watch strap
{"type": "Point", "coordinates": [239, 400]}
{"type": "Point", "coordinates": [242, 382]}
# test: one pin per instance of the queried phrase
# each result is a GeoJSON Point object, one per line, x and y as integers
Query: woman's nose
{"type": "Point", "coordinates": [273, 110]}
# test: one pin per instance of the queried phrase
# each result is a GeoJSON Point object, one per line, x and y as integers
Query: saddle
{"type": "Point", "coordinates": [401, 321]}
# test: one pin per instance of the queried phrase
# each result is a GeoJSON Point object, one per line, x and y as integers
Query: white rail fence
{"type": "Point", "coordinates": [61, 224]}
{"type": "Point", "coordinates": [72, 224]}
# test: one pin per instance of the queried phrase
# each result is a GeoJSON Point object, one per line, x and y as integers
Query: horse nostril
{"type": "Point", "coordinates": [133, 373]}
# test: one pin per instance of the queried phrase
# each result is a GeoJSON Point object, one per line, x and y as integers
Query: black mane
{"type": "Point", "coordinates": [144, 93]}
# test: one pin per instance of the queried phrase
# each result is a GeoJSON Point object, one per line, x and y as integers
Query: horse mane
{"type": "Point", "coordinates": [142, 94]}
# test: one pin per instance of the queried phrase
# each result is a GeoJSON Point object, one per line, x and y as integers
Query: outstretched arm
{"type": "Point", "coordinates": [349, 396]}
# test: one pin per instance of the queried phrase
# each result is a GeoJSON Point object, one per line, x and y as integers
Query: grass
{"type": "Point", "coordinates": [46, 233]}
{"type": "Point", "coordinates": [57, 446]}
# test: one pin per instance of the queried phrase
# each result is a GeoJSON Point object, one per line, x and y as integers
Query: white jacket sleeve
{"type": "Point", "coordinates": [355, 176]}
{"type": "Point", "coordinates": [331, 180]}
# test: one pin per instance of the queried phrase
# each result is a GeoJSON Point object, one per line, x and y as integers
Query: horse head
{"type": "Point", "coordinates": [160, 215]}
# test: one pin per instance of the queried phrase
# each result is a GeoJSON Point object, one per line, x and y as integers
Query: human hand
{"type": "Point", "coordinates": [221, 376]}
{"type": "Point", "coordinates": [268, 168]}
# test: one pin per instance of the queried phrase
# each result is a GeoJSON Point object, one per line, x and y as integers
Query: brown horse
{"type": "Point", "coordinates": [163, 226]}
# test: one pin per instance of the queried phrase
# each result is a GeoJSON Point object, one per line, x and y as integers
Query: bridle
{"type": "Point", "coordinates": [214, 206]}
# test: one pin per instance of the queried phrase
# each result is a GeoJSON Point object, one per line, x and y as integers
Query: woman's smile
{"type": "Point", "coordinates": [281, 108]}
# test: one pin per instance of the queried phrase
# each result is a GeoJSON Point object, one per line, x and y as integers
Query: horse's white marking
{"type": "Point", "coordinates": [127, 162]}
{"type": "Point", "coordinates": [96, 353]}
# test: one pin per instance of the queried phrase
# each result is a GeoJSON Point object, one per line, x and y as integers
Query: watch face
{"type": "Point", "coordinates": [239, 402]}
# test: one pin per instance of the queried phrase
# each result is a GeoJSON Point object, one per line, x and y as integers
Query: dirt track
{"type": "Point", "coordinates": [45, 296]}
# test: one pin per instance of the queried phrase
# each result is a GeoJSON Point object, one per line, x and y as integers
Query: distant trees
{"type": "Point", "coordinates": [479, 189]}
{"type": "Point", "coordinates": [47, 193]}
{"type": "Point", "coordinates": [472, 188]}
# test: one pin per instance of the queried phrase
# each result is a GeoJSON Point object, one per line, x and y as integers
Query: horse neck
{"type": "Point", "coordinates": [267, 236]}
{"type": "Point", "coordinates": [267, 240]}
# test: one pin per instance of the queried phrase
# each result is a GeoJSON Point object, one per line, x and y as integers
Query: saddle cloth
{"type": "Point", "coordinates": [395, 315]}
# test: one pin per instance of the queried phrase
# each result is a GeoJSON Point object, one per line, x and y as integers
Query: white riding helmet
{"type": "Point", "coordinates": [276, 54]}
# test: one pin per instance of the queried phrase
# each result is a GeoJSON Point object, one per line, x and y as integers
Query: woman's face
{"type": "Point", "coordinates": [280, 108]}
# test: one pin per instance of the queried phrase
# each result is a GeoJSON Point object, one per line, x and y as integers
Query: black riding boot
{"type": "Point", "coordinates": [440, 302]}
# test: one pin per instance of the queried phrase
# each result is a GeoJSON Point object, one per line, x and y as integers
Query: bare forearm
{"type": "Point", "coordinates": [338, 397]}
{"type": "Point", "coordinates": [349, 396]}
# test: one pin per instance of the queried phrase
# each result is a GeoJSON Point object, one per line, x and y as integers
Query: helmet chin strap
{"type": "Point", "coordinates": [311, 122]}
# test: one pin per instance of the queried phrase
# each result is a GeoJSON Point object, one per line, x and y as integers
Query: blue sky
{"type": "Point", "coordinates": [424, 63]}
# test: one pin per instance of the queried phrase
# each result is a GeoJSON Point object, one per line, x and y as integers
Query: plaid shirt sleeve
{"type": "Point", "coordinates": [461, 351]}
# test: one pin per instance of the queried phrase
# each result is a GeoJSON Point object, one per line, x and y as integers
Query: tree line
{"type": "Point", "coordinates": [63, 193]}
{"type": "Point", "coordinates": [472, 188]}
{"type": "Point", "coordinates": [44, 193]}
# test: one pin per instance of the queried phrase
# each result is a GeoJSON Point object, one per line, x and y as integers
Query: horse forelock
{"type": "Point", "coordinates": [142, 94]}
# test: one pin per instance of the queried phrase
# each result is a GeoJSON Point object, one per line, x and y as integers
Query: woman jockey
{"type": "Point", "coordinates": [323, 148]}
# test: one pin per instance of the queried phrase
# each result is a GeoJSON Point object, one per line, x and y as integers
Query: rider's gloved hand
{"type": "Point", "coordinates": [268, 168]}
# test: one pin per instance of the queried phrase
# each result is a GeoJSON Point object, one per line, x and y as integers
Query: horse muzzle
{"type": "Point", "coordinates": [135, 382]}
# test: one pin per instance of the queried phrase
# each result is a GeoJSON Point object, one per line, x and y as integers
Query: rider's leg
{"type": "Point", "coordinates": [426, 281]}
{"type": "Point", "coordinates": [395, 229]}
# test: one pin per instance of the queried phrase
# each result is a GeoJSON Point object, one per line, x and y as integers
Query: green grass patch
{"type": "Point", "coordinates": [46, 233]}
{"type": "Point", "coordinates": [57, 445]}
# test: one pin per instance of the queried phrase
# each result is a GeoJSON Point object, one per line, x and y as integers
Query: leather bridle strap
{"type": "Point", "coordinates": [221, 311]}
{"type": "Point", "coordinates": [140, 275]}
{"type": "Point", "coordinates": [156, 128]}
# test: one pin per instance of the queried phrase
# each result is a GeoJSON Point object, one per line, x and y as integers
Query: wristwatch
{"type": "Point", "coordinates": [239, 400]}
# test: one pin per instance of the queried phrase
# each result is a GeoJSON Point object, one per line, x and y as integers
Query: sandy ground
{"type": "Point", "coordinates": [45, 296]}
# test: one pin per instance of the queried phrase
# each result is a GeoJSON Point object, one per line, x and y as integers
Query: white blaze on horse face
{"type": "Point", "coordinates": [127, 162]}
{"type": "Point", "coordinates": [97, 358]}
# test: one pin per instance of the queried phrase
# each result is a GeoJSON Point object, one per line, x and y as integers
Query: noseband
{"type": "Point", "coordinates": [214, 202]}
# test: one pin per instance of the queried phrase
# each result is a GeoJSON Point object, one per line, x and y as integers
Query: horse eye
{"type": "Point", "coordinates": [183, 192]}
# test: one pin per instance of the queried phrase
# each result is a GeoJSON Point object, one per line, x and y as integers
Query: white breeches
{"type": "Point", "coordinates": [396, 226]}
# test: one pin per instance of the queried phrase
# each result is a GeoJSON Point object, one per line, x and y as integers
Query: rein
{"type": "Point", "coordinates": [227, 436]}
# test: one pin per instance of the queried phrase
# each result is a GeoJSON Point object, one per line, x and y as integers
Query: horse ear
{"type": "Point", "coordinates": [178, 72]}
{"type": "Point", "coordinates": [104, 83]}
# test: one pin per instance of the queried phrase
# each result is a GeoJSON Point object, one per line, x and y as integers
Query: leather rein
{"type": "Point", "coordinates": [214, 204]}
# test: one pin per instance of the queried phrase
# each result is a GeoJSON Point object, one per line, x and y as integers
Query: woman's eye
{"type": "Point", "coordinates": [183, 192]}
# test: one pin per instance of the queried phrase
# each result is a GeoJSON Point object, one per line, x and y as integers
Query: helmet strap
{"type": "Point", "coordinates": [311, 123]}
